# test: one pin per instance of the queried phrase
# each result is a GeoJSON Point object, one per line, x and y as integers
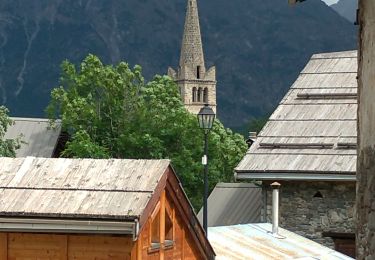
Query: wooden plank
{"type": "Point", "coordinates": [139, 249]}
{"type": "Point", "coordinates": [65, 248]}
{"type": "Point", "coordinates": [36, 246]}
{"type": "Point", "coordinates": [162, 224]}
{"type": "Point", "coordinates": [99, 247]}
{"type": "Point", "coordinates": [3, 246]}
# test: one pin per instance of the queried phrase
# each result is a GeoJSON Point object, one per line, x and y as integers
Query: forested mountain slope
{"type": "Point", "coordinates": [258, 46]}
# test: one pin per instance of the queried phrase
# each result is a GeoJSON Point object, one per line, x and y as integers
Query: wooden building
{"type": "Point", "coordinates": [309, 146]}
{"type": "Point", "coordinates": [96, 209]}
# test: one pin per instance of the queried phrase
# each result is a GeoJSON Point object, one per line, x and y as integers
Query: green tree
{"type": "Point", "coordinates": [110, 112]}
{"type": "Point", "coordinates": [8, 147]}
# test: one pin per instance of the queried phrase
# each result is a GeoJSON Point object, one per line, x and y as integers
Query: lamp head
{"type": "Point", "coordinates": [206, 117]}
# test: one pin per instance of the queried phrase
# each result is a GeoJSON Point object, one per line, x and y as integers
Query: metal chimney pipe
{"type": "Point", "coordinates": [275, 208]}
{"type": "Point", "coordinates": [253, 135]}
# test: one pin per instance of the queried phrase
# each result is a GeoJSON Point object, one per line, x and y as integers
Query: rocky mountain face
{"type": "Point", "coordinates": [347, 9]}
{"type": "Point", "coordinates": [258, 46]}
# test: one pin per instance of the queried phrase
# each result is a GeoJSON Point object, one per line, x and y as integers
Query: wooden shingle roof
{"type": "Point", "coordinates": [77, 188]}
{"type": "Point", "coordinates": [313, 130]}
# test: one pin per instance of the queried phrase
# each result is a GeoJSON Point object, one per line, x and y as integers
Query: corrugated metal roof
{"type": "Point", "coordinates": [307, 130]}
{"type": "Point", "coordinates": [255, 241]}
{"type": "Point", "coordinates": [233, 203]}
{"type": "Point", "coordinates": [40, 140]}
{"type": "Point", "coordinates": [89, 188]}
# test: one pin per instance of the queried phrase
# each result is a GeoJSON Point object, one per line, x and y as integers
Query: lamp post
{"type": "Point", "coordinates": [206, 117]}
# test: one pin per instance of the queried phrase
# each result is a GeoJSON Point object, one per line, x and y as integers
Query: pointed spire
{"type": "Point", "coordinates": [191, 49]}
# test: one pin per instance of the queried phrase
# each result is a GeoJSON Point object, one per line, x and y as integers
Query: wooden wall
{"type": "Point", "coordinates": [16, 246]}
{"type": "Point", "coordinates": [183, 248]}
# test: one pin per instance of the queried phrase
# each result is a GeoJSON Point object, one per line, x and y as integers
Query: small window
{"type": "Point", "coordinates": [198, 72]}
{"type": "Point", "coordinates": [155, 230]}
{"type": "Point", "coordinates": [168, 227]}
{"type": "Point", "coordinates": [318, 194]}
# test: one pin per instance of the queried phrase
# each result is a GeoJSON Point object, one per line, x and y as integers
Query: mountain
{"type": "Point", "coordinates": [347, 9]}
{"type": "Point", "coordinates": [258, 46]}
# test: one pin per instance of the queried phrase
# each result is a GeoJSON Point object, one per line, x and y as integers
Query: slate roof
{"type": "Point", "coordinates": [255, 241]}
{"type": "Point", "coordinates": [313, 130]}
{"type": "Point", "coordinates": [39, 139]}
{"type": "Point", "coordinates": [77, 188]}
{"type": "Point", "coordinates": [233, 203]}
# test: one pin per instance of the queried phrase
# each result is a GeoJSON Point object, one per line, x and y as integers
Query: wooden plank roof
{"type": "Point", "coordinates": [313, 130]}
{"type": "Point", "coordinates": [78, 188]}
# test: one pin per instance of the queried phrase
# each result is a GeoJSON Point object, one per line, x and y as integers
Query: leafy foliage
{"type": "Point", "coordinates": [8, 147]}
{"type": "Point", "coordinates": [111, 112]}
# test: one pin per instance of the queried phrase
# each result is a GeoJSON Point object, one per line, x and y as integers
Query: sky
{"type": "Point", "coordinates": [329, 2]}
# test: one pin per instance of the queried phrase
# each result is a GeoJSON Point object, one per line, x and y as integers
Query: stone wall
{"type": "Point", "coordinates": [310, 216]}
{"type": "Point", "coordinates": [366, 133]}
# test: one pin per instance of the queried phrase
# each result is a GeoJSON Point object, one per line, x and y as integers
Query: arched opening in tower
{"type": "Point", "coordinates": [205, 95]}
{"type": "Point", "coordinates": [194, 94]}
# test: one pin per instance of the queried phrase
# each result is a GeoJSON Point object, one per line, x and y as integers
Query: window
{"type": "Point", "coordinates": [155, 229]}
{"type": "Point", "coordinates": [200, 95]}
{"type": "Point", "coordinates": [198, 72]}
{"type": "Point", "coordinates": [344, 242]}
{"type": "Point", "coordinates": [194, 94]}
{"type": "Point", "coordinates": [169, 216]}
{"type": "Point", "coordinates": [318, 194]}
{"type": "Point", "coordinates": [161, 226]}
{"type": "Point", "coordinates": [205, 95]}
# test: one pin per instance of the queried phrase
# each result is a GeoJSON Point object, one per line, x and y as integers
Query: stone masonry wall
{"type": "Point", "coordinates": [366, 132]}
{"type": "Point", "coordinates": [310, 216]}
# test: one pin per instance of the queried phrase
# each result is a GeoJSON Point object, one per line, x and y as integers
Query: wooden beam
{"type": "Point", "coordinates": [162, 224]}
{"type": "Point", "coordinates": [139, 248]}
{"type": "Point", "coordinates": [183, 243]}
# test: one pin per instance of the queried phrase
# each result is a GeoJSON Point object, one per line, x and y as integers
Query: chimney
{"type": "Point", "coordinates": [251, 139]}
{"type": "Point", "coordinates": [275, 208]}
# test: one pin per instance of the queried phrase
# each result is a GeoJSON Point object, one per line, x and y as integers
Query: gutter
{"type": "Point", "coordinates": [266, 176]}
{"type": "Point", "coordinates": [69, 226]}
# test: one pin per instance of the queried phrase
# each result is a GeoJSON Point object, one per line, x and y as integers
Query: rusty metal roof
{"type": "Point", "coordinates": [313, 130]}
{"type": "Point", "coordinates": [233, 203]}
{"type": "Point", "coordinates": [79, 188]}
{"type": "Point", "coordinates": [255, 241]}
{"type": "Point", "coordinates": [39, 139]}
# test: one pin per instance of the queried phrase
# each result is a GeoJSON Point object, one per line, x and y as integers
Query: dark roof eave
{"type": "Point", "coordinates": [78, 217]}
{"type": "Point", "coordinates": [295, 176]}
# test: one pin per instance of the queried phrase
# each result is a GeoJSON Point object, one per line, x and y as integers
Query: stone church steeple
{"type": "Point", "coordinates": [196, 84]}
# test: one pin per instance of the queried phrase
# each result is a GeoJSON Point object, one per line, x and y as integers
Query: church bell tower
{"type": "Point", "coordinates": [196, 84]}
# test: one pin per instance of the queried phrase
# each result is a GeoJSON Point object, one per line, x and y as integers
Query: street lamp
{"type": "Point", "coordinates": [206, 117]}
